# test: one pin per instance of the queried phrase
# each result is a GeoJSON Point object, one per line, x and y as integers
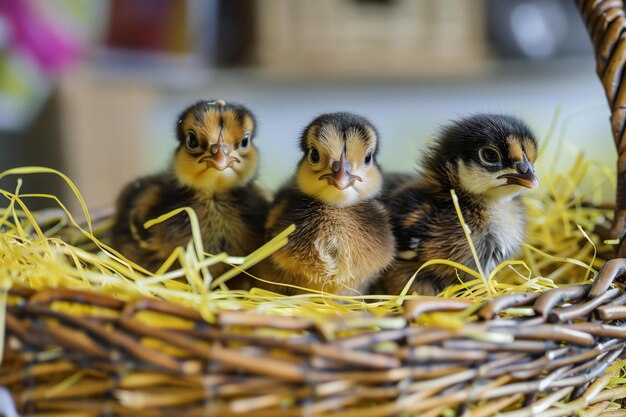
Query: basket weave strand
{"type": "Point", "coordinates": [555, 351]}
{"type": "Point", "coordinates": [606, 24]}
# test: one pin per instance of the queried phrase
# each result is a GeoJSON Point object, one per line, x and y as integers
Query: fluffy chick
{"type": "Point", "coordinates": [343, 237]}
{"type": "Point", "coordinates": [212, 171]}
{"type": "Point", "coordinates": [488, 160]}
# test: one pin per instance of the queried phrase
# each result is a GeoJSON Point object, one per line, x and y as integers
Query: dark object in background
{"type": "Point", "coordinates": [235, 33]}
{"type": "Point", "coordinates": [40, 144]}
{"type": "Point", "coordinates": [150, 25]}
{"type": "Point", "coordinates": [536, 29]}
{"type": "Point", "coordinates": [219, 32]}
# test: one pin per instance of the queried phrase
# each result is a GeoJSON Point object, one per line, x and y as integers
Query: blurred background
{"type": "Point", "coordinates": [93, 87]}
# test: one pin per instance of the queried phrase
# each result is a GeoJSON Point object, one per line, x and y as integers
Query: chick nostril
{"type": "Point", "coordinates": [338, 165]}
{"type": "Point", "coordinates": [215, 148]}
{"type": "Point", "coordinates": [522, 167]}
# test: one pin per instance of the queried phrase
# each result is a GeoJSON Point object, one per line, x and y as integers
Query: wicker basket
{"type": "Point", "coordinates": [397, 38]}
{"type": "Point", "coordinates": [564, 356]}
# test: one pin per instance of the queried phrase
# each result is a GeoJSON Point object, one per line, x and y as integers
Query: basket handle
{"type": "Point", "coordinates": [606, 24]}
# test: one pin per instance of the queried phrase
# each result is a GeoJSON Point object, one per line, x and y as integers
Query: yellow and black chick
{"type": "Point", "coordinates": [488, 160]}
{"type": "Point", "coordinates": [212, 171]}
{"type": "Point", "coordinates": [343, 238]}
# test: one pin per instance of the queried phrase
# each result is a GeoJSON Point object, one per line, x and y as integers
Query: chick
{"type": "Point", "coordinates": [212, 171]}
{"type": "Point", "coordinates": [488, 160]}
{"type": "Point", "coordinates": [343, 238]}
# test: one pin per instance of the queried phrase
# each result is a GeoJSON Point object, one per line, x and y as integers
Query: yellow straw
{"type": "Point", "coordinates": [467, 232]}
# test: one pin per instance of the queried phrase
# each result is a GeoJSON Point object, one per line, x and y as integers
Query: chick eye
{"type": "Point", "coordinates": [246, 140]}
{"type": "Point", "coordinates": [368, 158]}
{"type": "Point", "coordinates": [314, 156]}
{"type": "Point", "coordinates": [192, 142]}
{"type": "Point", "coordinates": [489, 155]}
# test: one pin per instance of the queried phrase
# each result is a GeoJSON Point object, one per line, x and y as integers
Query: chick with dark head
{"type": "Point", "coordinates": [488, 160]}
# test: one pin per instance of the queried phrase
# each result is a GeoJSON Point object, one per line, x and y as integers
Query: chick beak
{"type": "Point", "coordinates": [341, 176]}
{"type": "Point", "coordinates": [219, 158]}
{"type": "Point", "coordinates": [525, 175]}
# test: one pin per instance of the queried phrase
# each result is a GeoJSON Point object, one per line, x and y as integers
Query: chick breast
{"type": "Point", "coordinates": [335, 249]}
